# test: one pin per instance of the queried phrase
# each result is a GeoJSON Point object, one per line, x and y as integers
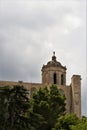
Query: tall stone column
{"type": "Point", "coordinates": [76, 94]}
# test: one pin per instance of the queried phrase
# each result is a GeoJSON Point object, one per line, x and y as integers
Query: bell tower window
{"type": "Point", "coordinates": [62, 79]}
{"type": "Point", "coordinates": [55, 78]}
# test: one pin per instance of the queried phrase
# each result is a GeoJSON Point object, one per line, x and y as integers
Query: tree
{"type": "Point", "coordinates": [14, 103]}
{"type": "Point", "coordinates": [50, 104]}
{"type": "Point", "coordinates": [37, 121]}
{"type": "Point", "coordinates": [66, 121]}
{"type": "Point", "coordinates": [82, 125]}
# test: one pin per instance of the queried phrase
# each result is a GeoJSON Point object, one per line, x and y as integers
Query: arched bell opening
{"type": "Point", "coordinates": [55, 78]}
{"type": "Point", "coordinates": [62, 79]}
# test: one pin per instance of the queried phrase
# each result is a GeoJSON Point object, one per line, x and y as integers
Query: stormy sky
{"type": "Point", "coordinates": [30, 30]}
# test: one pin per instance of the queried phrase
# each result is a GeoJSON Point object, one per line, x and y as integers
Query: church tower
{"type": "Point", "coordinates": [54, 72]}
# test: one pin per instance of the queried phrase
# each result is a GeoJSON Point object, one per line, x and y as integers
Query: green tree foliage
{"type": "Point", "coordinates": [82, 125]}
{"type": "Point", "coordinates": [45, 110]}
{"type": "Point", "coordinates": [37, 121]}
{"type": "Point", "coordinates": [50, 104]}
{"type": "Point", "coordinates": [66, 121]}
{"type": "Point", "coordinates": [14, 104]}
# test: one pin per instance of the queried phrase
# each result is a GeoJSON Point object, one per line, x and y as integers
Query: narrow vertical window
{"type": "Point", "coordinates": [55, 78]}
{"type": "Point", "coordinates": [62, 80]}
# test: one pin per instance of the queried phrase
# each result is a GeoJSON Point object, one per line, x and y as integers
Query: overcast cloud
{"type": "Point", "coordinates": [31, 30]}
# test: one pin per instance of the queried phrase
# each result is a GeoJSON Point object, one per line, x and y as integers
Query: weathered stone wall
{"type": "Point", "coordinates": [25, 84]}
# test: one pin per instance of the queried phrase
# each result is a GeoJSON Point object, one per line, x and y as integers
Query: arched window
{"type": "Point", "coordinates": [55, 78]}
{"type": "Point", "coordinates": [62, 79]}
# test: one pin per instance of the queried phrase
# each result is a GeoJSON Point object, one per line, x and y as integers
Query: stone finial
{"type": "Point", "coordinates": [54, 57]}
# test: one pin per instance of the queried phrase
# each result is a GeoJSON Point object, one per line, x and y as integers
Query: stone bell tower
{"type": "Point", "coordinates": [54, 72]}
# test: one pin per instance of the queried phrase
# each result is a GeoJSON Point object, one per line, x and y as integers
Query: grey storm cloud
{"type": "Point", "coordinates": [31, 30]}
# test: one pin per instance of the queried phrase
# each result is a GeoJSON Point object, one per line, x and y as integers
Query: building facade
{"type": "Point", "coordinates": [55, 73]}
